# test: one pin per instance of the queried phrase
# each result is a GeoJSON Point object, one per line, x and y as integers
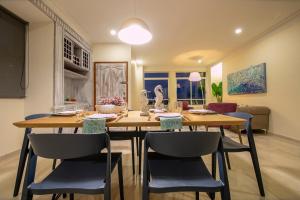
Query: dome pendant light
{"type": "Point", "coordinates": [134, 31]}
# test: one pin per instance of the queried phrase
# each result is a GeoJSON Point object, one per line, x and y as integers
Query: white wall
{"type": "Point", "coordinates": [12, 110]}
{"type": "Point", "coordinates": [39, 94]}
{"type": "Point", "coordinates": [280, 50]}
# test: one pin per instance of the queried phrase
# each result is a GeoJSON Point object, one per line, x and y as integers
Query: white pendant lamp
{"type": "Point", "coordinates": [134, 31]}
{"type": "Point", "coordinates": [195, 76]}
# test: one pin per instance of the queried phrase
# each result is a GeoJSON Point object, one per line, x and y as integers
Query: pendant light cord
{"type": "Point", "coordinates": [134, 8]}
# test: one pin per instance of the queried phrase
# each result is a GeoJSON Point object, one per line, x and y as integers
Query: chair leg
{"type": "Point", "coordinates": [213, 173]}
{"type": "Point", "coordinates": [137, 145]}
{"type": "Point", "coordinates": [197, 196]}
{"type": "Point", "coordinates": [29, 196]}
{"type": "Point", "coordinates": [257, 172]}
{"type": "Point", "coordinates": [140, 153]}
{"type": "Point", "coordinates": [223, 195]}
{"type": "Point", "coordinates": [54, 164]}
{"type": "Point", "coordinates": [145, 195]}
{"type": "Point", "coordinates": [132, 155]}
{"type": "Point", "coordinates": [120, 174]}
{"type": "Point", "coordinates": [21, 166]}
{"type": "Point", "coordinates": [54, 161]}
{"type": "Point", "coordinates": [240, 137]}
{"type": "Point", "coordinates": [72, 196]}
{"type": "Point", "coordinates": [227, 160]}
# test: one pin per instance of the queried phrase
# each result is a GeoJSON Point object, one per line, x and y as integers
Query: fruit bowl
{"type": "Point", "coordinates": [109, 108]}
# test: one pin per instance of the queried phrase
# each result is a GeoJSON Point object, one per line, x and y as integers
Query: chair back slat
{"type": "Point", "coordinates": [183, 144]}
{"type": "Point", "coordinates": [36, 116]}
{"type": "Point", "coordinates": [67, 146]}
{"type": "Point", "coordinates": [248, 117]}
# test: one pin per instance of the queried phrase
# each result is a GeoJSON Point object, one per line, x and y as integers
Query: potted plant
{"type": "Point", "coordinates": [217, 91]}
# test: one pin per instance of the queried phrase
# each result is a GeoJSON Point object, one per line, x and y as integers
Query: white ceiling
{"type": "Point", "coordinates": [183, 30]}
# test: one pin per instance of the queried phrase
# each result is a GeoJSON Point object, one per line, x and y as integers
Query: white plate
{"type": "Point", "coordinates": [201, 111]}
{"type": "Point", "coordinates": [65, 113]}
{"type": "Point", "coordinates": [157, 110]}
{"type": "Point", "coordinates": [168, 115]}
{"type": "Point", "coordinates": [99, 116]}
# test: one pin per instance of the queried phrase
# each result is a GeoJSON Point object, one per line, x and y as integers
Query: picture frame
{"type": "Point", "coordinates": [110, 80]}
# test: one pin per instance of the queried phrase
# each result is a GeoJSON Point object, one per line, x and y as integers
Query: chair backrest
{"type": "Point", "coordinates": [248, 117]}
{"type": "Point", "coordinates": [222, 107]}
{"type": "Point", "coordinates": [185, 105]}
{"type": "Point", "coordinates": [183, 144]}
{"type": "Point", "coordinates": [67, 146]}
{"type": "Point", "coordinates": [36, 116]}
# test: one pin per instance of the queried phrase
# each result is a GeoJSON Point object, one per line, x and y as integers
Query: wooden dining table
{"type": "Point", "coordinates": [133, 119]}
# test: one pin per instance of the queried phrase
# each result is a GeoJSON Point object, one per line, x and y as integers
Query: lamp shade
{"type": "Point", "coordinates": [134, 31]}
{"type": "Point", "coordinates": [195, 76]}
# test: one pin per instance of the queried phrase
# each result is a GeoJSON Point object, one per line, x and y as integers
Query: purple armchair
{"type": "Point", "coordinates": [222, 108]}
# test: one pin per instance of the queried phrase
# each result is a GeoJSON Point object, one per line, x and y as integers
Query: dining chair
{"type": "Point", "coordinates": [84, 168]}
{"type": "Point", "coordinates": [176, 164]}
{"type": "Point", "coordinates": [231, 146]}
{"type": "Point", "coordinates": [24, 152]}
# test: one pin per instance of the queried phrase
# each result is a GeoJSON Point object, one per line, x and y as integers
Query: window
{"type": "Point", "coordinates": [194, 92]}
{"type": "Point", "coordinates": [151, 81]}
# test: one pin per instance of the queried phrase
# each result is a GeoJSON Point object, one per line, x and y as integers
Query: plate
{"type": "Point", "coordinates": [65, 113]}
{"type": "Point", "coordinates": [157, 110]}
{"type": "Point", "coordinates": [201, 111]}
{"type": "Point", "coordinates": [100, 116]}
{"type": "Point", "coordinates": [167, 115]}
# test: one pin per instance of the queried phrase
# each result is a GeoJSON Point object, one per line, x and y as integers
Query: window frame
{"type": "Point", "coordinates": [157, 78]}
{"type": "Point", "coordinates": [191, 99]}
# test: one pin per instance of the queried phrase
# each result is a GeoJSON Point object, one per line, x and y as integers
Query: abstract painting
{"type": "Point", "coordinates": [110, 80]}
{"type": "Point", "coordinates": [248, 81]}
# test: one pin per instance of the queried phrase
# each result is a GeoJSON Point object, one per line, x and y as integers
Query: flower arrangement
{"type": "Point", "coordinates": [117, 101]}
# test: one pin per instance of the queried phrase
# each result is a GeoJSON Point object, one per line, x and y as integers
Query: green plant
{"type": "Point", "coordinates": [217, 91]}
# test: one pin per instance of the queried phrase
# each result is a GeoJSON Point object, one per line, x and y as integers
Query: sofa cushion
{"type": "Point", "coordinates": [254, 110]}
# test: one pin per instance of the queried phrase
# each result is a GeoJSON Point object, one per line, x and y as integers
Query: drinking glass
{"type": "Point", "coordinates": [178, 107]}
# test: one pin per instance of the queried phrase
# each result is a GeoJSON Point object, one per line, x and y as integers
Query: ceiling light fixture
{"type": "Point", "coordinates": [238, 31]}
{"type": "Point", "coordinates": [134, 31]}
{"type": "Point", "coordinates": [113, 32]}
{"type": "Point", "coordinates": [199, 61]}
{"type": "Point", "coordinates": [195, 76]}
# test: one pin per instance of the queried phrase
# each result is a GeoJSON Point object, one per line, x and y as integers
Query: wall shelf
{"type": "Point", "coordinates": [73, 75]}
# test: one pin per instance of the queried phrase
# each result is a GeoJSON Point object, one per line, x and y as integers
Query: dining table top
{"type": "Point", "coordinates": [132, 119]}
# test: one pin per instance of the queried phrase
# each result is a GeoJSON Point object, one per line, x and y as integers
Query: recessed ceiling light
{"type": "Point", "coordinates": [113, 32]}
{"type": "Point", "coordinates": [238, 31]}
{"type": "Point", "coordinates": [139, 61]}
{"type": "Point", "coordinates": [199, 61]}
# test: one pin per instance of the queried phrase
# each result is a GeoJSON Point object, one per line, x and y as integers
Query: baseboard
{"type": "Point", "coordinates": [285, 137]}
{"type": "Point", "coordinates": [5, 156]}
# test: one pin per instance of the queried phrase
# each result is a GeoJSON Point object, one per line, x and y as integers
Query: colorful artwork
{"type": "Point", "coordinates": [248, 81]}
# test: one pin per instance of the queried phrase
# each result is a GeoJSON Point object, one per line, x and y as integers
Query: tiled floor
{"type": "Point", "coordinates": [279, 159]}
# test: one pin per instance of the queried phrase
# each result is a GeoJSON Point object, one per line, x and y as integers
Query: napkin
{"type": "Point", "coordinates": [91, 125]}
{"type": "Point", "coordinates": [170, 123]}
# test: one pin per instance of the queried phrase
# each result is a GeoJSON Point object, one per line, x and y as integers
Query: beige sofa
{"type": "Point", "coordinates": [261, 116]}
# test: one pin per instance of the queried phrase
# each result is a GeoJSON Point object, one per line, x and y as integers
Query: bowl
{"type": "Point", "coordinates": [109, 108]}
